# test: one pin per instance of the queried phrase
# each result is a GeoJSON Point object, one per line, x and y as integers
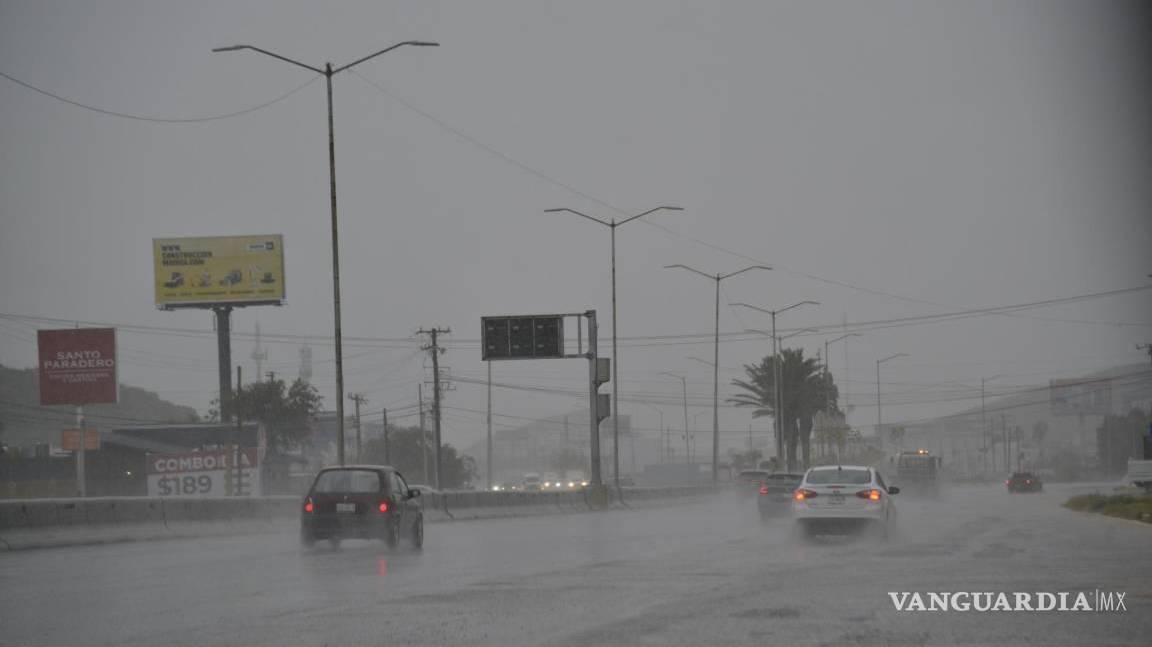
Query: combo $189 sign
{"type": "Point", "coordinates": [203, 474]}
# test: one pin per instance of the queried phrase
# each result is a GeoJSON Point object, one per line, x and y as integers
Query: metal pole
{"type": "Point", "coordinates": [238, 447]}
{"type": "Point", "coordinates": [776, 374]}
{"type": "Point", "coordinates": [335, 273]}
{"type": "Point", "coordinates": [387, 454]}
{"type": "Point", "coordinates": [716, 392]}
{"type": "Point", "coordinates": [436, 407]}
{"type": "Point", "coordinates": [423, 432]}
{"type": "Point", "coordinates": [488, 484]}
{"type": "Point", "coordinates": [593, 420]}
{"type": "Point", "coordinates": [983, 429]}
{"type": "Point", "coordinates": [879, 425]}
{"type": "Point", "coordinates": [615, 374]}
{"type": "Point", "coordinates": [81, 477]}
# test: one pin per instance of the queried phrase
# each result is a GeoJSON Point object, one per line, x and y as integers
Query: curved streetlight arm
{"type": "Point", "coordinates": [582, 215]}
{"type": "Point", "coordinates": [235, 48]}
{"type": "Point", "coordinates": [721, 277]}
{"type": "Point", "coordinates": [881, 361]}
{"type": "Point", "coordinates": [693, 270]}
{"type": "Point", "coordinates": [414, 43]}
{"type": "Point", "coordinates": [641, 215]}
{"type": "Point", "coordinates": [797, 305]}
{"type": "Point", "coordinates": [851, 334]}
{"type": "Point", "coordinates": [799, 332]}
{"type": "Point", "coordinates": [702, 361]}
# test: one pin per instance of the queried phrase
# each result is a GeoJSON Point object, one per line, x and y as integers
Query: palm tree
{"type": "Point", "coordinates": [805, 390]}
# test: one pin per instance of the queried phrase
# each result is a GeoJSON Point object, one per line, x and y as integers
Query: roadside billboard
{"type": "Point", "coordinates": [203, 474]}
{"type": "Point", "coordinates": [77, 366]}
{"type": "Point", "coordinates": [1081, 397]}
{"type": "Point", "coordinates": [192, 272]}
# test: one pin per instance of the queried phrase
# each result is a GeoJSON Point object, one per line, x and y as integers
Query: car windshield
{"type": "Point", "coordinates": [347, 482]}
{"type": "Point", "coordinates": [752, 475]}
{"type": "Point", "coordinates": [840, 477]}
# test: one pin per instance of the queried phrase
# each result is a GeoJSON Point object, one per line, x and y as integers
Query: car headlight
{"type": "Point", "coordinates": [571, 483]}
{"type": "Point", "coordinates": [583, 483]}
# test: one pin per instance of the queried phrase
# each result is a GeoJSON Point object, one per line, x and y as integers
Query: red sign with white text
{"type": "Point", "coordinates": [77, 366]}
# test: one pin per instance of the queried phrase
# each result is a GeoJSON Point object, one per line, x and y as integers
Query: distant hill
{"type": "Point", "coordinates": [24, 422]}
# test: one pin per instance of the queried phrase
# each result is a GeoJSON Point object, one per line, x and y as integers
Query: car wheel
{"type": "Point", "coordinates": [307, 539]}
{"type": "Point", "coordinates": [418, 534]}
{"type": "Point", "coordinates": [334, 542]}
{"type": "Point", "coordinates": [392, 534]}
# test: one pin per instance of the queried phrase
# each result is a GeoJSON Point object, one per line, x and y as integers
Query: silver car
{"type": "Point", "coordinates": [839, 499]}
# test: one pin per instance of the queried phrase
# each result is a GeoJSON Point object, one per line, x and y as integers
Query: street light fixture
{"type": "Point", "coordinates": [777, 377]}
{"type": "Point", "coordinates": [879, 419]}
{"type": "Point", "coordinates": [612, 225]}
{"type": "Point", "coordinates": [716, 361]}
{"type": "Point", "coordinates": [328, 71]}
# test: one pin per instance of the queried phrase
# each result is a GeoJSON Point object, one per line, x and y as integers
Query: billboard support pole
{"type": "Point", "coordinates": [81, 480]}
{"type": "Point", "coordinates": [224, 358]}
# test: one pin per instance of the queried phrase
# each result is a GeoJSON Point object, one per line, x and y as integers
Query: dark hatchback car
{"type": "Point", "coordinates": [361, 502]}
{"type": "Point", "coordinates": [1024, 482]}
{"type": "Point", "coordinates": [748, 482]}
{"type": "Point", "coordinates": [776, 492]}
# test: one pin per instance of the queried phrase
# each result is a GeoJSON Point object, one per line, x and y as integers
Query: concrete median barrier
{"type": "Point", "coordinates": [30, 523]}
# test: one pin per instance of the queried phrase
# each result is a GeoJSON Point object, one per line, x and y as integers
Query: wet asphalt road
{"type": "Point", "coordinates": [699, 574]}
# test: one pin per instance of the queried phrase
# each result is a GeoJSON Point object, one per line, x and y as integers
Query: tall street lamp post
{"type": "Point", "coordinates": [328, 71]}
{"type": "Point", "coordinates": [777, 377]}
{"type": "Point", "coordinates": [716, 361]}
{"type": "Point", "coordinates": [612, 225]}
{"type": "Point", "coordinates": [879, 418]}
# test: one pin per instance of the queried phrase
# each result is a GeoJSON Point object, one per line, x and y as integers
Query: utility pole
{"type": "Point", "coordinates": [387, 454]}
{"type": "Point", "coordinates": [238, 446]}
{"type": "Point", "coordinates": [358, 399]}
{"type": "Point", "coordinates": [434, 348]}
{"type": "Point", "coordinates": [423, 433]}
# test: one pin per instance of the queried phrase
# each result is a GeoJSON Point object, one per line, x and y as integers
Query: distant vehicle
{"type": "Point", "coordinates": [1024, 482]}
{"type": "Point", "coordinates": [748, 482]}
{"type": "Point", "coordinates": [361, 502]}
{"type": "Point", "coordinates": [838, 499]}
{"type": "Point", "coordinates": [574, 480]}
{"type": "Point", "coordinates": [775, 494]}
{"type": "Point", "coordinates": [918, 472]}
{"type": "Point", "coordinates": [550, 481]}
{"type": "Point", "coordinates": [531, 482]}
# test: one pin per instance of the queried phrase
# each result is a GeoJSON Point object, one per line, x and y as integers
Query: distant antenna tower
{"type": "Point", "coordinates": [259, 354]}
{"type": "Point", "coordinates": [305, 363]}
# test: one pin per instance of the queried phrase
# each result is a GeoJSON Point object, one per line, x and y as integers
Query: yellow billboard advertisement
{"type": "Point", "coordinates": [218, 269]}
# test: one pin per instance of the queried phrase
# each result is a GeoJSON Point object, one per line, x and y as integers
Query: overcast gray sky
{"type": "Point", "coordinates": [889, 159]}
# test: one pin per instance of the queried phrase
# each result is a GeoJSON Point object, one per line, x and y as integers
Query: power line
{"type": "Point", "coordinates": [163, 120]}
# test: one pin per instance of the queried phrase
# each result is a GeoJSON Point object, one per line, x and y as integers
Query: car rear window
{"type": "Point", "coordinates": [348, 482]}
{"type": "Point", "coordinates": [846, 477]}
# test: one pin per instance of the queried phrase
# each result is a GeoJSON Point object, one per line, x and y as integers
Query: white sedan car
{"type": "Point", "coordinates": [837, 499]}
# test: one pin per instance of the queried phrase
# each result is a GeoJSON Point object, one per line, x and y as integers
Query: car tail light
{"type": "Point", "coordinates": [308, 507]}
{"type": "Point", "coordinates": [763, 489]}
{"type": "Point", "coordinates": [871, 495]}
{"type": "Point", "coordinates": [804, 495]}
{"type": "Point", "coordinates": [1028, 482]}
{"type": "Point", "coordinates": [383, 507]}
